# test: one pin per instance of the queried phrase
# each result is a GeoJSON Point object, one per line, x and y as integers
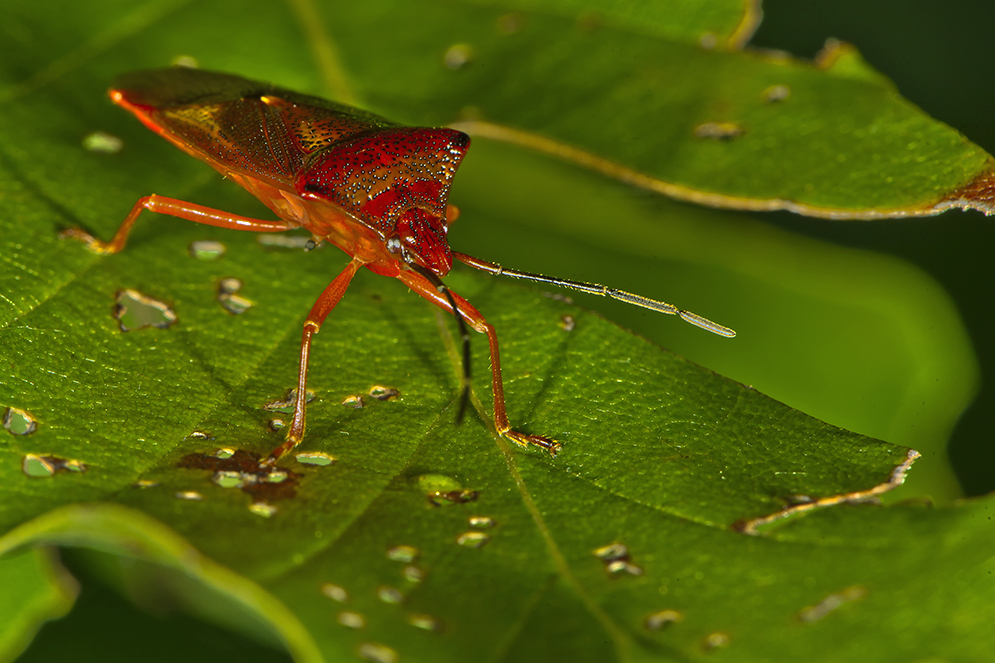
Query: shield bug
{"type": "Point", "coordinates": [375, 189]}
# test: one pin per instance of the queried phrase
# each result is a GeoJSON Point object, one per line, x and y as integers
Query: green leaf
{"type": "Point", "coordinates": [661, 456]}
{"type": "Point", "coordinates": [36, 589]}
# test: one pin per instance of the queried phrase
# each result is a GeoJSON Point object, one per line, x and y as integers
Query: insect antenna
{"type": "Point", "coordinates": [463, 330]}
{"type": "Point", "coordinates": [597, 289]}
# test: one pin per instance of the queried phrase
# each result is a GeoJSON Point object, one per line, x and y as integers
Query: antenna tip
{"type": "Point", "coordinates": [706, 324]}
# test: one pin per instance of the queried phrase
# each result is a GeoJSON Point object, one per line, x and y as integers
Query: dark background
{"type": "Point", "coordinates": [940, 57]}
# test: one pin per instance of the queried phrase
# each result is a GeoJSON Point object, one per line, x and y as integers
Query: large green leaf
{"type": "Point", "coordinates": [660, 455]}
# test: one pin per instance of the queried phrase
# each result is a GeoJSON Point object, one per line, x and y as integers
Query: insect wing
{"type": "Point", "coordinates": [238, 125]}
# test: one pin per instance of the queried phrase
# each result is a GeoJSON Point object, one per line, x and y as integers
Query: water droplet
{"type": "Point", "coordinates": [231, 302]}
{"type": "Point", "coordinates": [276, 424]}
{"type": "Point", "coordinates": [319, 458]}
{"type": "Point", "coordinates": [473, 539]}
{"type": "Point", "coordinates": [413, 573]}
{"type": "Point", "coordinates": [207, 249]}
{"type": "Point", "coordinates": [376, 653]}
{"type": "Point", "coordinates": [481, 522]}
{"type": "Point", "coordinates": [224, 453]}
{"type": "Point", "coordinates": [389, 594]}
{"type": "Point", "coordinates": [832, 602]}
{"type": "Point", "coordinates": [719, 130]}
{"type": "Point", "coordinates": [286, 404]}
{"type": "Point", "coordinates": [19, 422]}
{"type": "Point", "coordinates": [186, 61]}
{"type": "Point", "coordinates": [36, 465]}
{"type": "Point", "coordinates": [431, 483]}
{"type": "Point", "coordinates": [425, 622]}
{"type": "Point", "coordinates": [228, 479]}
{"type": "Point", "coordinates": [444, 490]}
{"type": "Point", "coordinates": [286, 241]}
{"type": "Point", "coordinates": [612, 552]}
{"type": "Point", "coordinates": [200, 435]}
{"type": "Point", "coordinates": [568, 323]}
{"type": "Point", "coordinates": [623, 566]}
{"type": "Point", "coordinates": [264, 509]}
{"type": "Point", "coordinates": [382, 393]}
{"type": "Point", "coordinates": [134, 311]}
{"type": "Point", "coordinates": [439, 498]}
{"type": "Point", "coordinates": [708, 41]}
{"type": "Point", "coordinates": [661, 619]}
{"type": "Point", "coordinates": [716, 640]}
{"type": "Point", "coordinates": [275, 476]}
{"type": "Point", "coordinates": [265, 483]}
{"type": "Point", "coordinates": [406, 554]}
{"type": "Point", "coordinates": [775, 93]}
{"type": "Point", "coordinates": [458, 56]}
{"type": "Point", "coordinates": [616, 559]}
{"type": "Point", "coordinates": [335, 592]}
{"type": "Point", "coordinates": [188, 495]}
{"type": "Point", "coordinates": [102, 143]}
{"type": "Point", "coordinates": [145, 483]}
{"type": "Point", "coordinates": [351, 619]}
{"type": "Point", "coordinates": [355, 402]}
{"type": "Point", "coordinates": [509, 24]}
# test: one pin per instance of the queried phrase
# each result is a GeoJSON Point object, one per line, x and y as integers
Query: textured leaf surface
{"type": "Point", "coordinates": [660, 455]}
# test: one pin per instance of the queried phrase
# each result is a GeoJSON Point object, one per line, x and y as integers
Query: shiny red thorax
{"type": "Point", "coordinates": [373, 188]}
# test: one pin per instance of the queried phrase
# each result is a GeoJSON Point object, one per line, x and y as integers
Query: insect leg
{"type": "Point", "coordinates": [423, 287]}
{"type": "Point", "coordinates": [181, 209]}
{"type": "Point", "coordinates": [441, 287]}
{"type": "Point", "coordinates": [326, 302]}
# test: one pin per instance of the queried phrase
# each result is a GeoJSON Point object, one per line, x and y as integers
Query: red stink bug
{"type": "Point", "coordinates": [375, 189]}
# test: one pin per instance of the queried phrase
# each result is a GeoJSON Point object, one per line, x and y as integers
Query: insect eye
{"type": "Point", "coordinates": [394, 244]}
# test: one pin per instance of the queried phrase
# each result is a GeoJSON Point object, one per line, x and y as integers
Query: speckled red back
{"type": "Point", "coordinates": [378, 175]}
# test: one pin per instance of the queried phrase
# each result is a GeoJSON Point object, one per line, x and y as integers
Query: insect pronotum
{"type": "Point", "coordinates": [375, 189]}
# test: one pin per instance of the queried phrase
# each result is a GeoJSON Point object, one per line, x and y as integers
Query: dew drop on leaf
{"type": "Point", "coordinates": [481, 522]}
{"type": "Point", "coordinates": [228, 479]}
{"type": "Point", "coordinates": [376, 653]}
{"type": "Point", "coordinates": [43, 466]}
{"type": "Point", "coordinates": [716, 640]}
{"type": "Point", "coordinates": [135, 310]}
{"type": "Point", "coordinates": [775, 93]}
{"type": "Point", "coordinates": [425, 622]}
{"type": "Point", "coordinates": [413, 573]}
{"type": "Point", "coordinates": [264, 509]}
{"type": "Point", "coordinates": [351, 619]}
{"type": "Point", "coordinates": [473, 539]}
{"type": "Point", "coordinates": [230, 301]}
{"type": "Point", "coordinates": [661, 619]}
{"type": "Point", "coordinates": [319, 458]}
{"type": "Point", "coordinates": [207, 249]}
{"type": "Point", "coordinates": [19, 422]}
{"type": "Point", "coordinates": [335, 592]}
{"type": "Point", "coordinates": [720, 131]}
{"type": "Point", "coordinates": [406, 554]}
{"type": "Point", "coordinates": [458, 56]}
{"type": "Point", "coordinates": [389, 594]}
{"type": "Point", "coordinates": [102, 143]}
